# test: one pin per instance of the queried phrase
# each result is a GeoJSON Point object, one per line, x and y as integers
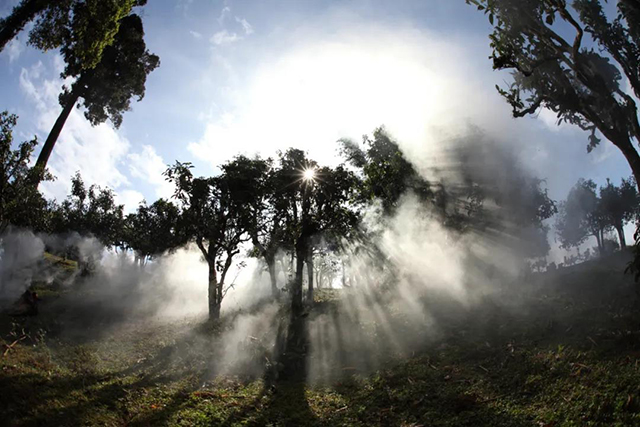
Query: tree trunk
{"type": "Point", "coordinates": [43, 158]}
{"type": "Point", "coordinates": [271, 265]}
{"type": "Point", "coordinates": [344, 275]}
{"type": "Point", "coordinates": [296, 300]}
{"type": "Point", "coordinates": [310, 274]}
{"type": "Point", "coordinates": [632, 157]}
{"type": "Point", "coordinates": [20, 16]}
{"type": "Point", "coordinates": [214, 301]}
{"type": "Point", "coordinates": [600, 242]}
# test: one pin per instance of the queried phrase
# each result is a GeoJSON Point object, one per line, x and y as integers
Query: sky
{"type": "Point", "coordinates": [247, 77]}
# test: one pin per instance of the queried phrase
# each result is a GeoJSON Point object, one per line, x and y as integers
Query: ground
{"type": "Point", "coordinates": [570, 356]}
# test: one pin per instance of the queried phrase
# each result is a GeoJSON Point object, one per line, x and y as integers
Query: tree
{"type": "Point", "coordinates": [316, 201]}
{"type": "Point", "coordinates": [209, 218]}
{"type": "Point", "coordinates": [580, 84]}
{"type": "Point", "coordinates": [256, 190]}
{"type": "Point", "coordinates": [21, 204]}
{"type": "Point", "coordinates": [620, 205]}
{"type": "Point", "coordinates": [24, 13]}
{"type": "Point", "coordinates": [153, 229]}
{"type": "Point", "coordinates": [387, 175]}
{"type": "Point", "coordinates": [107, 89]}
{"type": "Point", "coordinates": [91, 212]}
{"type": "Point", "coordinates": [84, 26]}
{"type": "Point", "coordinates": [582, 215]}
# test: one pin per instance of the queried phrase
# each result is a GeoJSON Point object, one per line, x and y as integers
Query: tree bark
{"type": "Point", "coordinates": [271, 265]}
{"type": "Point", "coordinates": [631, 155]}
{"type": "Point", "coordinates": [214, 301]}
{"type": "Point", "coordinates": [600, 242]}
{"type": "Point", "coordinates": [43, 158]}
{"type": "Point", "coordinates": [20, 16]}
{"type": "Point", "coordinates": [296, 300]}
{"type": "Point", "coordinates": [310, 274]}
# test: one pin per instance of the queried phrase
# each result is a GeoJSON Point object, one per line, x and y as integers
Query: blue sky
{"type": "Point", "coordinates": [257, 76]}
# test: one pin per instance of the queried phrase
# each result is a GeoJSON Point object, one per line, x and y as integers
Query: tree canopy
{"type": "Point", "coordinates": [577, 77]}
{"type": "Point", "coordinates": [105, 90]}
{"type": "Point", "coordinates": [21, 205]}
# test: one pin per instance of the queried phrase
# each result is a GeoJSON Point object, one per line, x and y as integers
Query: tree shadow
{"type": "Point", "coordinates": [285, 380]}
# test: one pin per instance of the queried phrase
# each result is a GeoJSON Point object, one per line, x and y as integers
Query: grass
{"type": "Point", "coordinates": [572, 358]}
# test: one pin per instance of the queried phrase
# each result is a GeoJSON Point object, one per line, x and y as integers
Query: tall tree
{"type": "Point", "coordinates": [107, 89]}
{"type": "Point", "coordinates": [209, 219]}
{"type": "Point", "coordinates": [581, 85]}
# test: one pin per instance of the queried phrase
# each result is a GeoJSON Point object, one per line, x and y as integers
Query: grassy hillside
{"type": "Point", "coordinates": [566, 353]}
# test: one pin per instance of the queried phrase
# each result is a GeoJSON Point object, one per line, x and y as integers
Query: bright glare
{"type": "Point", "coordinates": [309, 174]}
{"type": "Point", "coordinates": [335, 89]}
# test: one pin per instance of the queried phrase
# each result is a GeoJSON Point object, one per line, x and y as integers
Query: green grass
{"type": "Point", "coordinates": [572, 358]}
{"type": "Point", "coordinates": [62, 263]}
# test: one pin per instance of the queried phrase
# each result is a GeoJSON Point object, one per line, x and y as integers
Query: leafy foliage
{"type": "Point", "coordinates": [209, 218]}
{"type": "Point", "coordinates": [153, 230]}
{"type": "Point", "coordinates": [91, 211]}
{"type": "Point", "coordinates": [106, 89]}
{"type": "Point", "coordinates": [580, 84]}
{"type": "Point", "coordinates": [21, 204]}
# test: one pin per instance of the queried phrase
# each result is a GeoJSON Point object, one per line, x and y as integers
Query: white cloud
{"type": "Point", "coordinates": [13, 50]}
{"type": "Point", "coordinates": [224, 37]}
{"type": "Point", "coordinates": [195, 34]}
{"type": "Point", "coordinates": [149, 166]}
{"type": "Point", "coordinates": [130, 199]}
{"type": "Point", "coordinates": [223, 14]}
{"type": "Point", "coordinates": [248, 29]}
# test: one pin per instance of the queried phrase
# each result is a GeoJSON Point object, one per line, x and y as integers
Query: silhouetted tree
{"type": "Point", "coordinates": [106, 90]}
{"type": "Point", "coordinates": [581, 85]}
{"type": "Point", "coordinates": [314, 205]}
{"type": "Point", "coordinates": [255, 192]}
{"type": "Point", "coordinates": [153, 230]}
{"type": "Point", "coordinates": [209, 218]}
{"type": "Point", "coordinates": [582, 215]}
{"type": "Point", "coordinates": [386, 173]}
{"type": "Point", "coordinates": [620, 205]}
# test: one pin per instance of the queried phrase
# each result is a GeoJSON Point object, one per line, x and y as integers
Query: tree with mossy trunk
{"type": "Point", "coordinates": [211, 220]}
{"type": "Point", "coordinates": [578, 83]}
{"type": "Point", "coordinates": [106, 90]}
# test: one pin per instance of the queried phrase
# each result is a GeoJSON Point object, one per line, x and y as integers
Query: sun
{"type": "Point", "coordinates": [309, 174]}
